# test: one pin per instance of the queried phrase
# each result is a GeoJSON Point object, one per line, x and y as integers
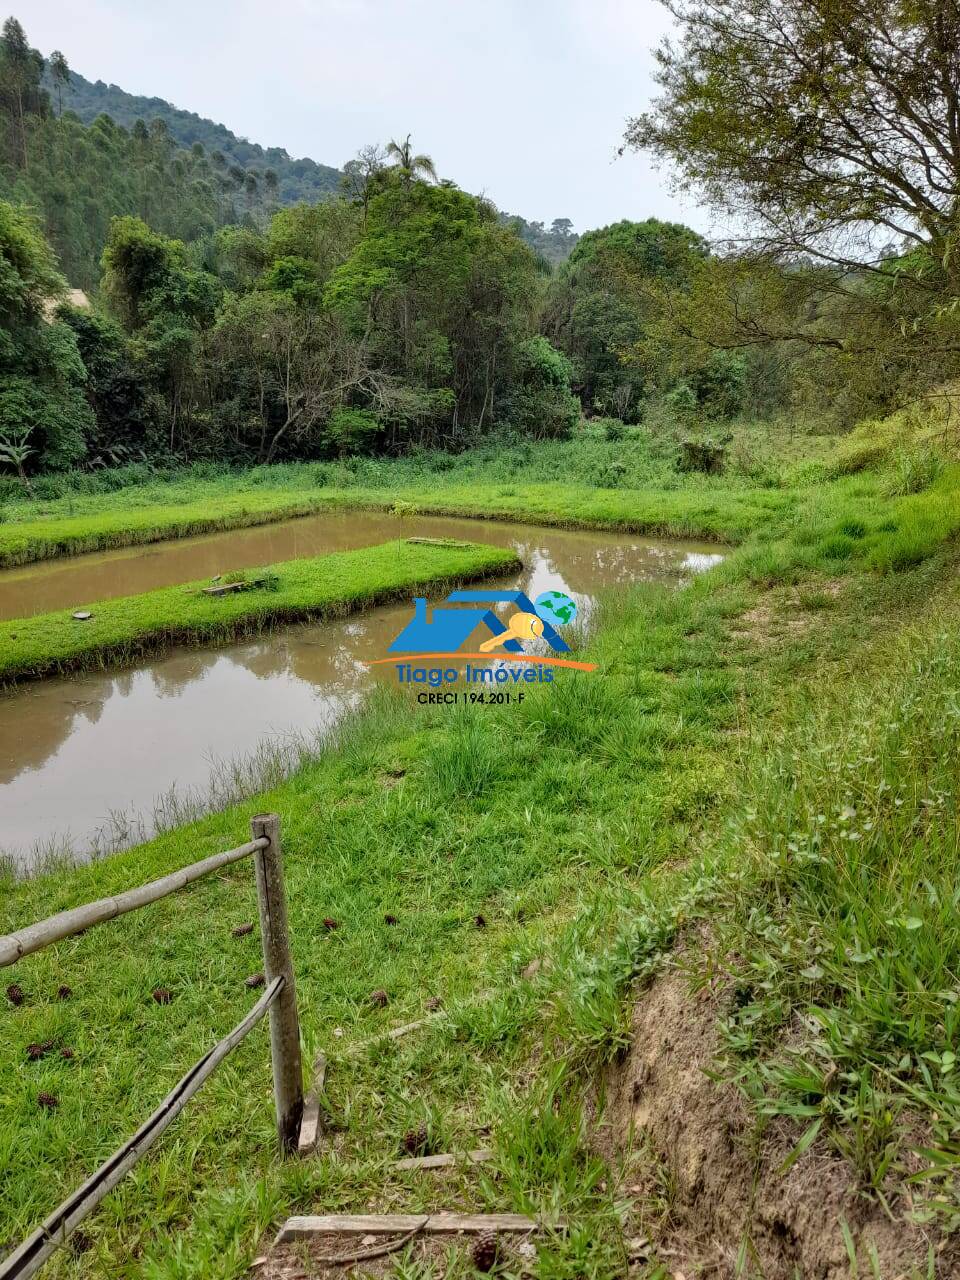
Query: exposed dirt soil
{"type": "Point", "coordinates": [719, 1191]}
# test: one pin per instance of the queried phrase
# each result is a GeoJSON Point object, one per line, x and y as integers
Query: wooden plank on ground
{"type": "Point", "coordinates": [380, 1224]}
{"type": "Point", "coordinates": [446, 1161]}
{"type": "Point", "coordinates": [310, 1122]}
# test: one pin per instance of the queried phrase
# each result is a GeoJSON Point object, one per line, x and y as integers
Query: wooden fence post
{"type": "Point", "coordinates": [277, 962]}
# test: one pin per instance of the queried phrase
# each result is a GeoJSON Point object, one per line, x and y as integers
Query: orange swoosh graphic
{"type": "Point", "coordinates": [502, 657]}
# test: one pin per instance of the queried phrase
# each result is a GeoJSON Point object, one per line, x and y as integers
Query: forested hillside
{"type": "Point", "coordinates": [290, 180]}
{"type": "Point", "coordinates": [301, 179]}
{"type": "Point", "coordinates": [76, 177]}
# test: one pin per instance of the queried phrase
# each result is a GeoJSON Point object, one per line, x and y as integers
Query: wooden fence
{"type": "Point", "coordinates": [279, 997]}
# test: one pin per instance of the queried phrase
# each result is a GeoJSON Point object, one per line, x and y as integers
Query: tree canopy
{"type": "Point", "coordinates": [833, 126]}
{"type": "Point", "coordinates": [43, 411]}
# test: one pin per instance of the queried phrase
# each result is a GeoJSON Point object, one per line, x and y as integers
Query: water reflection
{"type": "Point", "coordinates": [74, 751]}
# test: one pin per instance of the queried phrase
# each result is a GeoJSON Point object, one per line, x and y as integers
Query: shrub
{"type": "Point", "coordinates": [543, 405]}
{"type": "Point", "coordinates": [352, 430]}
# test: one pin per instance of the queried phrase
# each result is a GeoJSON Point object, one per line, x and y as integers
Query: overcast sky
{"type": "Point", "coordinates": [523, 100]}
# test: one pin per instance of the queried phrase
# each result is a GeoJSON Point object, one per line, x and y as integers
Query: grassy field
{"type": "Point", "coordinates": [766, 758]}
{"type": "Point", "coordinates": [594, 481]}
{"type": "Point", "coordinates": [325, 586]}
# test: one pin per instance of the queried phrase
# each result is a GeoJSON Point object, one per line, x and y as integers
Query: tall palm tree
{"type": "Point", "coordinates": [410, 165]}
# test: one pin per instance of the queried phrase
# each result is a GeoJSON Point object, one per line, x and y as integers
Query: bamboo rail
{"type": "Point", "coordinates": [55, 1230]}
{"type": "Point", "coordinates": [14, 946]}
{"type": "Point", "coordinates": [279, 999]}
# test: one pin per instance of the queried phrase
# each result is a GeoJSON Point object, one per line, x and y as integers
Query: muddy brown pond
{"type": "Point", "coordinates": [95, 761]}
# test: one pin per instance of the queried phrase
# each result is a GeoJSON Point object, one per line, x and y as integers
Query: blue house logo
{"type": "Point", "coordinates": [448, 629]}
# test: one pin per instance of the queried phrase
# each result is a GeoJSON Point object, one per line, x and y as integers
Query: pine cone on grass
{"type": "Point", "coordinates": [48, 1100]}
{"type": "Point", "coordinates": [486, 1251]}
{"type": "Point", "coordinates": [416, 1142]}
{"type": "Point", "coordinates": [15, 993]}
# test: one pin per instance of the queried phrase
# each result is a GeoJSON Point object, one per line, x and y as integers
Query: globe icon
{"type": "Point", "coordinates": [555, 607]}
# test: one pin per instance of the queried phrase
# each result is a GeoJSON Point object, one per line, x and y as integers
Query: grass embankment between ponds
{"type": "Point", "coordinates": [123, 524]}
{"type": "Point", "coordinates": [764, 762]}
{"type": "Point", "coordinates": [605, 476]}
{"type": "Point", "coordinates": [297, 591]}
{"type": "Point", "coordinates": [724, 516]}
{"type": "Point", "coordinates": [629, 483]}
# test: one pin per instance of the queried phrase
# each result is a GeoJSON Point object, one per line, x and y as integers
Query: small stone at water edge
{"type": "Point", "coordinates": [81, 615]}
{"type": "Point", "coordinates": [255, 980]}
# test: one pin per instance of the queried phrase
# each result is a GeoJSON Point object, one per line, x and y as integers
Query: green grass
{"type": "Point", "coordinates": [514, 813]}
{"type": "Point", "coordinates": [722, 514]}
{"type": "Point", "coordinates": [814, 674]}
{"type": "Point", "coordinates": [324, 586]}
{"type": "Point", "coordinates": [101, 523]}
{"type": "Point", "coordinates": [846, 921]}
{"type": "Point", "coordinates": [629, 483]}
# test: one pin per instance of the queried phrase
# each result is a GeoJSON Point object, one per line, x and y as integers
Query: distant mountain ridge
{"type": "Point", "coordinates": [301, 179]}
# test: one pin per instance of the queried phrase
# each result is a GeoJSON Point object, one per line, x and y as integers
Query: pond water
{"type": "Point", "coordinates": [91, 762]}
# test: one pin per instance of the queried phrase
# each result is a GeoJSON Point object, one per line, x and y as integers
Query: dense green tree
{"type": "Point", "coordinates": [123, 427]}
{"type": "Point", "coordinates": [296, 179]}
{"type": "Point", "coordinates": [322, 234]}
{"type": "Point", "coordinates": [443, 295]}
{"type": "Point", "coordinates": [79, 176]}
{"type": "Point", "coordinates": [167, 305]}
{"type": "Point", "coordinates": [604, 298]}
{"type": "Point", "coordinates": [540, 402]}
{"type": "Point", "coordinates": [21, 96]}
{"type": "Point", "coordinates": [42, 405]}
